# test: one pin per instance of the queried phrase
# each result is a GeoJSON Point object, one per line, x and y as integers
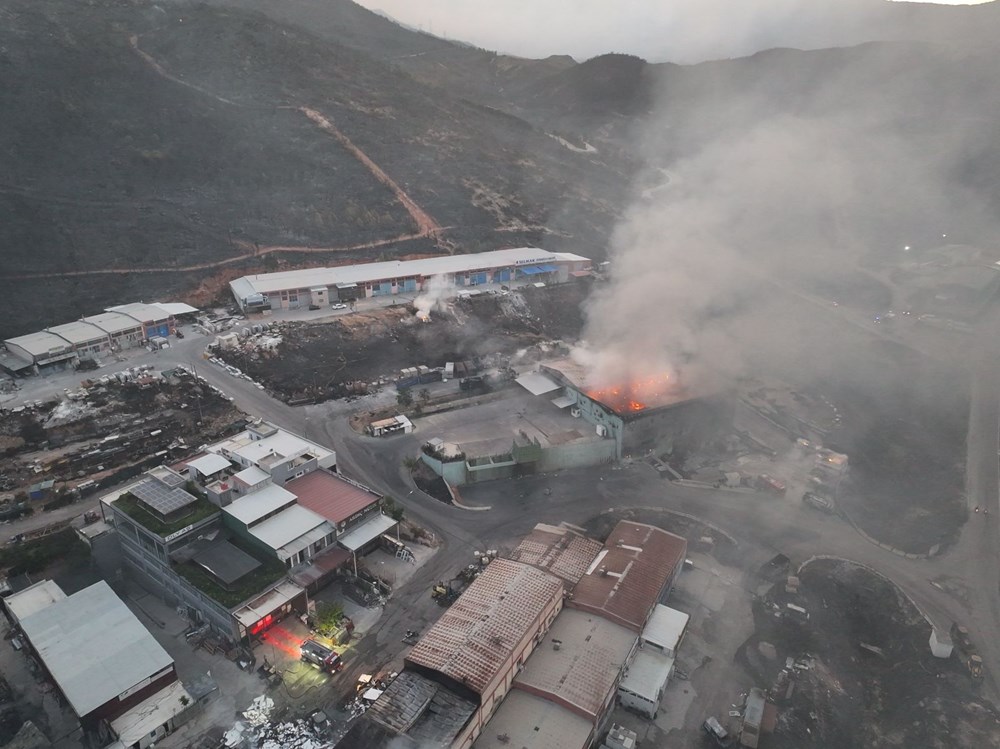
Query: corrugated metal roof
{"type": "Point", "coordinates": [367, 531]}
{"type": "Point", "coordinates": [94, 647]}
{"type": "Point", "coordinates": [475, 637]}
{"type": "Point", "coordinates": [331, 496]}
{"type": "Point", "coordinates": [537, 383]}
{"type": "Point", "coordinates": [648, 674]}
{"type": "Point", "coordinates": [40, 343]}
{"type": "Point", "coordinates": [78, 332]}
{"type": "Point", "coordinates": [142, 312]}
{"type": "Point", "coordinates": [632, 576]}
{"type": "Point", "coordinates": [175, 308]}
{"type": "Point", "coordinates": [583, 672]}
{"type": "Point", "coordinates": [366, 272]}
{"type": "Point", "coordinates": [287, 526]}
{"type": "Point", "coordinates": [33, 598]}
{"type": "Point", "coordinates": [210, 464]}
{"type": "Point", "coordinates": [113, 322]}
{"type": "Point", "coordinates": [665, 627]}
{"type": "Point", "coordinates": [525, 721]}
{"type": "Point", "coordinates": [559, 550]}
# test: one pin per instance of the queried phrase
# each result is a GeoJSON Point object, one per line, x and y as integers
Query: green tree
{"type": "Point", "coordinates": [393, 509]}
{"type": "Point", "coordinates": [410, 463]}
{"type": "Point", "coordinates": [404, 398]}
{"type": "Point", "coordinates": [328, 617]}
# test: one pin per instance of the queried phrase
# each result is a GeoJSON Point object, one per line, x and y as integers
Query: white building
{"type": "Point", "coordinates": [118, 680]}
{"type": "Point", "coordinates": [642, 688]}
{"type": "Point", "coordinates": [320, 286]}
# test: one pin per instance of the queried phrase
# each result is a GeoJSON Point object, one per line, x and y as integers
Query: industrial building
{"type": "Point", "coordinates": [593, 646]}
{"type": "Point", "coordinates": [118, 328]}
{"type": "Point", "coordinates": [470, 657]}
{"type": "Point", "coordinates": [632, 573]}
{"type": "Point", "coordinates": [538, 675]}
{"type": "Point", "coordinates": [322, 286]}
{"type": "Point", "coordinates": [120, 683]}
{"type": "Point", "coordinates": [238, 535]}
{"type": "Point", "coordinates": [655, 415]}
{"type": "Point", "coordinates": [561, 550]}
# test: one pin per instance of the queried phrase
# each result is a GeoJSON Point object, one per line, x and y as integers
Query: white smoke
{"type": "Point", "coordinates": [433, 297]}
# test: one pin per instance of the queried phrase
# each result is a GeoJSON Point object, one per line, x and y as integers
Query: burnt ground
{"type": "Point", "coordinates": [847, 696]}
{"type": "Point", "coordinates": [116, 428]}
{"type": "Point", "coordinates": [325, 360]}
{"type": "Point", "coordinates": [905, 433]}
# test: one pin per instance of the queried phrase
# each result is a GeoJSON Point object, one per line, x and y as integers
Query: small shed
{"type": "Point", "coordinates": [941, 644]}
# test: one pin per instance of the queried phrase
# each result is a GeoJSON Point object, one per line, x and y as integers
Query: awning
{"type": "Point", "coordinates": [562, 401]}
{"type": "Point", "coordinates": [366, 532]}
{"type": "Point", "coordinates": [580, 273]}
{"type": "Point", "coordinates": [321, 566]}
{"type": "Point", "coordinates": [530, 270]}
{"type": "Point", "coordinates": [272, 600]}
{"type": "Point", "coordinates": [536, 383]}
{"type": "Point", "coordinates": [548, 268]}
{"type": "Point", "coordinates": [346, 285]}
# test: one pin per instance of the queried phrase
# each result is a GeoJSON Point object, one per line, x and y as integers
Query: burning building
{"type": "Point", "coordinates": [655, 413]}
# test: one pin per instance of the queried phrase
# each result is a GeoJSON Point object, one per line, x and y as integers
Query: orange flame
{"type": "Point", "coordinates": [634, 396]}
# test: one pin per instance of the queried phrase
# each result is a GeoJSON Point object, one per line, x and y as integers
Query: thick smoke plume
{"type": "Point", "coordinates": [767, 205]}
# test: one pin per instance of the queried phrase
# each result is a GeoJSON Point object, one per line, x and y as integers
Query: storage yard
{"type": "Point", "coordinates": [351, 353]}
{"type": "Point", "coordinates": [106, 431]}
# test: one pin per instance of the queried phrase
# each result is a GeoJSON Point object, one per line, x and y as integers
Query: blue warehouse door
{"type": "Point", "coordinates": [477, 279]}
{"type": "Point", "coordinates": [504, 275]}
{"type": "Point", "coordinates": [382, 289]}
{"type": "Point", "coordinates": [410, 284]}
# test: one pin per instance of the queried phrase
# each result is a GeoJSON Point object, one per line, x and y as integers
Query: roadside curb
{"type": "Point", "coordinates": [873, 571]}
{"type": "Point", "coordinates": [933, 551]}
{"type": "Point", "coordinates": [456, 499]}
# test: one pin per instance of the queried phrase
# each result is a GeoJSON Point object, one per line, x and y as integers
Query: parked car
{"type": "Point", "coordinates": [320, 656]}
{"type": "Point", "coordinates": [823, 504]}
{"type": "Point", "coordinates": [313, 307]}
{"type": "Point", "coordinates": [338, 305]}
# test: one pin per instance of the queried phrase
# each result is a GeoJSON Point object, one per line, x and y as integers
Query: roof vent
{"type": "Point", "coordinates": [556, 644]}
{"type": "Point", "coordinates": [603, 571]}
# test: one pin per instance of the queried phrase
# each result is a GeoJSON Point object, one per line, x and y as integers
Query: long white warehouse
{"type": "Point", "coordinates": [321, 286]}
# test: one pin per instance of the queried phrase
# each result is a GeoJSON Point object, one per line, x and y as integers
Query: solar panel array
{"type": "Point", "coordinates": [163, 499]}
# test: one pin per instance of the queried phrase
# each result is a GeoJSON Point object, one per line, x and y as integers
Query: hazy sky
{"type": "Point", "coordinates": [658, 30]}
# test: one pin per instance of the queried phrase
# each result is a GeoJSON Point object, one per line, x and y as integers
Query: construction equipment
{"type": "Point", "coordinates": [445, 592]}
{"type": "Point", "coordinates": [967, 651]}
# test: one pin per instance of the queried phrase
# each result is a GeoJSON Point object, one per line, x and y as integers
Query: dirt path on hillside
{"type": "Point", "coordinates": [426, 225]}
{"type": "Point", "coordinates": [218, 263]}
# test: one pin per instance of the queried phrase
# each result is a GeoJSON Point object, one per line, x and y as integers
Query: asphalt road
{"type": "Point", "coordinates": [962, 583]}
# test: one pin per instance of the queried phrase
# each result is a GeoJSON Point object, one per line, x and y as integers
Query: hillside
{"type": "Point", "coordinates": [140, 141]}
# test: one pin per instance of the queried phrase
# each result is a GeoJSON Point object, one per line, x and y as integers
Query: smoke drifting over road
{"type": "Point", "coordinates": [769, 198]}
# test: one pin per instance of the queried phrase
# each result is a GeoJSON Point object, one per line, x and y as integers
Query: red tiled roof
{"type": "Point", "coordinates": [330, 496]}
{"type": "Point", "coordinates": [475, 638]}
{"type": "Point", "coordinates": [559, 550]}
{"type": "Point", "coordinates": [630, 574]}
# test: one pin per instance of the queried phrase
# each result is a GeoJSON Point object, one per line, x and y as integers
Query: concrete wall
{"type": "Point", "coordinates": [453, 472]}
{"type": "Point", "coordinates": [579, 455]}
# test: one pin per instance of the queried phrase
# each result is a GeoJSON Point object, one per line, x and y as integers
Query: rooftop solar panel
{"type": "Point", "coordinates": [162, 499]}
